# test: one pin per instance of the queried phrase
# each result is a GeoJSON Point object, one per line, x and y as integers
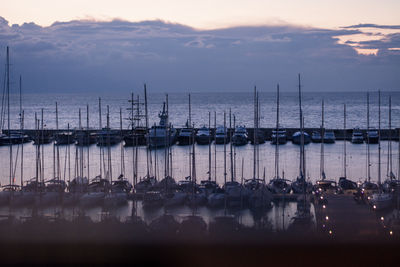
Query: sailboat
{"type": "Point", "coordinates": [345, 184]}
{"type": "Point", "coordinates": [301, 185]}
{"type": "Point", "coordinates": [367, 186]}
{"type": "Point", "coordinates": [391, 184]}
{"type": "Point", "coordinates": [323, 184]}
{"type": "Point", "coordinates": [8, 191]}
{"type": "Point", "coordinates": [278, 185]}
{"type": "Point", "coordinates": [380, 200]}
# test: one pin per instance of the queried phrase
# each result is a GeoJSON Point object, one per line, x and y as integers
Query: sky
{"type": "Point", "coordinates": [70, 46]}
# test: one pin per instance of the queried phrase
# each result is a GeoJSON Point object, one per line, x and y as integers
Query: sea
{"type": "Point", "coordinates": [240, 105]}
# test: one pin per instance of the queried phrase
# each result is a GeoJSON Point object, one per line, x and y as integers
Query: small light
{"type": "Point", "coordinates": [323, 226]}
{"type": "Point", "coordinates": [321, 197]}
{"type": "Point", "coordinates": [330, 232]}
{"type": "Point", "coordinates": [327, 218]}
{"type": "Point", "coordinates": [382, 218]}
{"type": "Point", "coordinates": [369, 198]}
{"type": "Point", "coordinates": [323, 206]}
{"type": "Point", "coordinates": [391, 232]}
{"type": "Point", "coordinates": [374, 207]}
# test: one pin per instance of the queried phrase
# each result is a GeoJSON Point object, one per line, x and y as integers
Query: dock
{"type": "Point", "coordinates": [345, 219]}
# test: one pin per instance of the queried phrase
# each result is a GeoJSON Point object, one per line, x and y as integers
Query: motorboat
{"type": "Point", "coordinates": [186, 136]}
{"type": "Point", "coordinates": [108, 137]}
{"type": "Point", "coordinates": [357, 137]}
{"type": "Point", "coordinates": [64, 138]}
{"type": "Point", "coordinates": [329, 137]}
{"type": "Point", "coordinates": [162, 134]}
{"type": "Point", "coordinates": [221, 135]}
{"type": "Point", "coordinates": [85, 138]}
{"type": "Point", "coordinates": [278, 136]}
{"type": "Point", "coordinates": [372, 137]}
{"type": "Point", "coordinates": [279, 186]}
{"type": "Point", "coordinates": [239, 137]}
{"type": "Point", "coordinates": [296, 138]}
{"type": "Point", "coordinates": [316, 137]}
{"type": "Point", "coordinates": [203, 136]}
{"type": "Point", "coordinates": [15, 138]}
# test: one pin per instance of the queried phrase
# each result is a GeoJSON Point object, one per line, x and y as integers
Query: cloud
{"type": "Point", "coordinates": [369, 25]}
{"type": "Point", "coordinates": [118, 55]}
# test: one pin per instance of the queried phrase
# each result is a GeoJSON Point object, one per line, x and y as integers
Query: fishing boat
{"type": "Point", "coordinates": [357, 136]}
{"type": "Point", "coordinates": [239, 137]}
{"type": "Point", "coordinates": [203, 136]}
{"type": "Point", "coordinates": [162, 134]}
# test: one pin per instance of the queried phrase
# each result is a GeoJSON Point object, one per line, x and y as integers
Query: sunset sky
{"type": "Point", "coordinates": [223, 44]}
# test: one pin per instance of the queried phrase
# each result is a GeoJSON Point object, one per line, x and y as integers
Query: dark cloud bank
{"type": "Point", "coordinates": [79, 56]}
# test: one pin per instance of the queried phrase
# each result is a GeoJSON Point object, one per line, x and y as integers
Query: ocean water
{"type": "Point", "coordinates": [241, 105]}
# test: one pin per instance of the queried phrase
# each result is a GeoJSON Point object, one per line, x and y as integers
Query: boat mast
{"type": "Point", "coordinates": [255, 132]}
{"type": "Point", "coordinates": [344, 142]}
{"type": "Point", "coordinates": [122, 146]}
{"type": "Point", "coordinates": [108, 145]}
{"type": "Point", "coordinates": [277, 135]}
{"type": "Point", "coordinates": [81, 147]}
{"type": "Point", "coordinates": [379, 138]}
{"type": "Point", "coordinates": [42, 148]}
{"type": "Point", "coordinates": [215, 146]}
{"type": "Point", "coordinates": [391, 176]}
{"type": "Point", "coordinates": [22, 114]}
{"type": "Point", "coordinates": [368, 153]}
{"type": "Point", "coordinates": [147, 132]}
{"type": "Point", "coordinates": [230, 140]}
{"type": "Point", "coordinates": [58, 149]}
{"type": "Point", "coordinates": [302, 174]}
{"type": "Point", "coordinates": [8, 116]}
{"type": "Point", "coordinates": [209, 146]}
{"type": "Point", "coordinates": [134, 144]}
{"type": "Point", "coordinates": [322, 163]}
{"type": "Point", "coordinates": [88, 141]}
{"type": "Point", "coordinates": [234, 148]}
{"type": "Point", "coordinates": [225, 148]}
{"type": "Point", "coordinates": [69, 157]}
{"type": "Point", "coordinates": [100, 147]}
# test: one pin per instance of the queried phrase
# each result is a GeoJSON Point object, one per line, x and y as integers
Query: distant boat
{"type": "Point", "coordinates": [279, 186]}
{"type": "Point", "coordinates": [357, 136]}
{"type": "Point", "coordinates": [372, 137]}
{"type": "Point", "coordinates": [137, 138]}
{"type": "Point", "coordinates": [14, 138]}
{"type": "Point", "coordinates": [296, 138]}
{"type": "Point", "coordinates": [239, 137]}
{"type": "Point", "coordinates": [281, 138]}
{"type": "Point", "coordinates": [329, 137]}
{"type": "Point", "coordinates": [107, 137]}
{"type": "Point", "coordinates": [221, 135]}
{"type": "Point", "coordinates": [186, 136]}
{"type": "Point", "coordinates": [64, 138]}
{"type": "Point", "coordinates": [203, 136]}
{"type": "Point", "coordinates": [316, 137]}
{"type": "Point", "coordinates": [158, 136]}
